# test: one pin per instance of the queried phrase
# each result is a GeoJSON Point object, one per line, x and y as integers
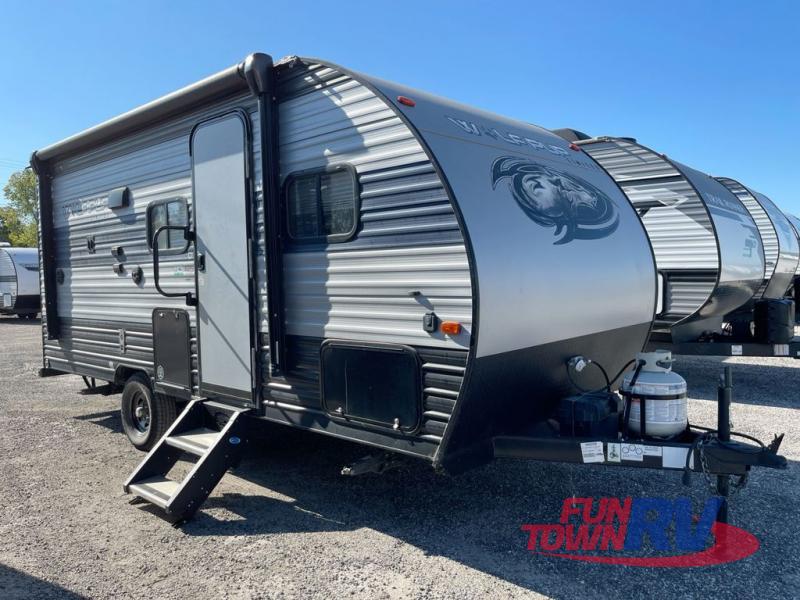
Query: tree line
{"type": "Point", "coordinates": [19, 218]}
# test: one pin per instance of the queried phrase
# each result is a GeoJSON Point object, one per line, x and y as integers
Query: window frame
{"type": "Point", "coordinates": [150, 231]}
{"type": "Point", "coordinates": [319, 172]}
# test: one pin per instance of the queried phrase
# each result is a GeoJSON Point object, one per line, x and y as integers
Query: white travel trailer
{"type": "Point", "coordinates": [303, 244]}
{"type": "Point", "coordinates": [19, 282]}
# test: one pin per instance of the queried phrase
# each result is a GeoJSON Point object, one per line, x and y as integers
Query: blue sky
{"type": "Point", "coordinates": [715, 85]}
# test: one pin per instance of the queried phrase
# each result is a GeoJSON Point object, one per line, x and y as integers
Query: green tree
{"type": "Point", "coordinates": [19, 220]}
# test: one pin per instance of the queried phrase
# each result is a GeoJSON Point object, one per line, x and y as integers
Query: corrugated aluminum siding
{"type": "Point", "coordinates": [409, 240]}
{"type": "Point", "coordinates": [674, 217]}
{"type": "Point", "coordinates": [407, 258]}
{"type": "Point", "coordinates": [678, 231]}
{"type": "Point", "coordinates": [98, 307]}
{"type": "Point", "coordinates": [8, 279]}
{"type": "Point", "coordinates": [687, 292]}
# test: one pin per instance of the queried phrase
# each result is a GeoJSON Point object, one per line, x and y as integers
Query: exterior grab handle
{"type": "Point", "coordinates": [187, 235]}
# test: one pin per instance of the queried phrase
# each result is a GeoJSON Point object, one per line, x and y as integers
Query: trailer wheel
{"type": "Point", "coordinates": [145, 416]}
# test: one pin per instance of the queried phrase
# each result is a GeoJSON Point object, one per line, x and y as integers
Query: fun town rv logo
{"type": "Point", "coordinates": [613, 530]}
{"type": "Point", "coordinates": [576, 209]}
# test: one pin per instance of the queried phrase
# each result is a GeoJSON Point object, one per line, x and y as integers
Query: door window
{"type": "Point", "coordinates": [168, 212]}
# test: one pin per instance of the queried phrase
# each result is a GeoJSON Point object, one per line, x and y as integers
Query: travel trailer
{"type": "Point", "coordinates": [795, 291]}
{"type": "Point", "coordinates": [723, 271]}
{"type": "Point", "coordinates": [299, 243]}
{"type": "Point", "coordinates": [780, 242]}
{"type": "Point", "coordinates": [706, 245]}
{"type": "Point", "coordinates": [19, 281]}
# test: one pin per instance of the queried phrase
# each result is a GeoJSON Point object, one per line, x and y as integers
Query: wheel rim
{"type": "Point", "coordinates": [140, 412]}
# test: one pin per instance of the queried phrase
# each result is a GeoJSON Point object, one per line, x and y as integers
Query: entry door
{"type": "Point", "coordinates": [221, 204]}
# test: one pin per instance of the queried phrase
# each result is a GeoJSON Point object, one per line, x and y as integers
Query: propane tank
{"type": "Point", "coordinates": [664, 394]}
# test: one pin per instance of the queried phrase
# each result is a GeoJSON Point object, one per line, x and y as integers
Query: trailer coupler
{"type": "Point", "coordinates": [718, 457]}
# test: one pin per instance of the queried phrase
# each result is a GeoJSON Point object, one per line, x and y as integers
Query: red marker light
{"type": "Point", "coordinates": [575, 147]}
{"type": "Point", "coordinates": [406, 100]}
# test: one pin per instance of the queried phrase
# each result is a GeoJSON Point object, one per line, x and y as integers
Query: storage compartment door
{"type": "Point", "coordinates": [171, 351]}
{"type": "Point", "coordinates": [378, 384]}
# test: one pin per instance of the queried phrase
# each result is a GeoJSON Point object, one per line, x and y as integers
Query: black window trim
{"type": "Point", "coordinates": [149, 230]}
{"type": "Point", "coordinates": [319, 171]}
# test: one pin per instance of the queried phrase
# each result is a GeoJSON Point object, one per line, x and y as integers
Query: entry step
{"type": "Point", "coordinates": [215, 434]}
{"type": "Point", "coordinates": [157, 490]}
{"type": "Point", "coordinates": [196, 441]}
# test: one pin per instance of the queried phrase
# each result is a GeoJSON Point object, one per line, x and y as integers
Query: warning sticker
{"type": "Point", "coordinates": [736, 350]}
{"type": "Point", "coordinates": [633, 452]}
{"type": "Point", "coordinates": [613, 453]}
{"type": "Point", "coordinates": [652, 450]}
{"type": "Point", "coordinates": [592, 452]}
{"type": "Point", "coordinates": [675, 458]}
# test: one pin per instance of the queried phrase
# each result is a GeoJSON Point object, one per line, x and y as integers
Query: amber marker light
{"type": "Point", "coordinates": [450, 327]}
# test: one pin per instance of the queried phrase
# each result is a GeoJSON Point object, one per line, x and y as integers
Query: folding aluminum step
{"type": "Point", "coordinates": [156, 490]}
{"type": "Point", "coordinates": [212, 432]}
{"type": "Point", "coordinates": [196, 441]}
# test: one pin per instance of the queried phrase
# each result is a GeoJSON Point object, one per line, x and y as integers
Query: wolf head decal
{"type": "Point", "coordinates": [577, 209]}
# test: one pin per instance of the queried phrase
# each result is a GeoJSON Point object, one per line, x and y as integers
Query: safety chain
{"type": "Point", "coordinates": [736, 486]}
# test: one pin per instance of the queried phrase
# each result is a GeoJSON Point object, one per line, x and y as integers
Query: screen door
{"type": "Point", "coordinates": [220, 188]}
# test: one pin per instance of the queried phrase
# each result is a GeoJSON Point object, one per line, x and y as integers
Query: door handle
{"type": "Point", "coordinates": [188, 235]}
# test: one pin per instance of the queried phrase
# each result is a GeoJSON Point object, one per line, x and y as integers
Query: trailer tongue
{"type": "Point", "coordinates": [709, 452]}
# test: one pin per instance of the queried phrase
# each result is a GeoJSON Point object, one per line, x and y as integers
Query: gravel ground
{"type": "Point", "coordinates": [285, 524]}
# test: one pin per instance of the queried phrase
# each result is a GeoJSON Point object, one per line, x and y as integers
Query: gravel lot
{"type": "Point", "coordinates": [285, 524]}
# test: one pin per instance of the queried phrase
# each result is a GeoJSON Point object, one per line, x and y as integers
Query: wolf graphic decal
{"type": "Point", "coordinates": [577, 209]}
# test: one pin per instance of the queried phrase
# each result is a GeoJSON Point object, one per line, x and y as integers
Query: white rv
{"type": "Point", "coordinates": [19, 281]}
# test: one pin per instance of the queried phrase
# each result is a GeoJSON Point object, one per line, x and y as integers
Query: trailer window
{"type": "Point", "coordinates": [168, 212]}
{"type": "Point", "coordinates": [322, 205]}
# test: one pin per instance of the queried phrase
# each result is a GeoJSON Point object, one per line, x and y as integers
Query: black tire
{"type": "Point", "coordinates": [145, 416]}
